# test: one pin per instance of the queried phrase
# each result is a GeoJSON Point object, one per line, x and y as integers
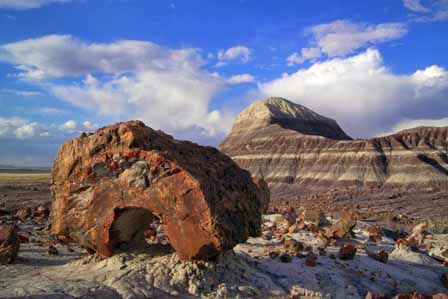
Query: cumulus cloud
{"type": "Point", "coordinates": [240, 53]}
{"type": "Point", "coordinates": [242, 78]}
{"type": "Point", "coordinates": [27, 4]}
{"type": "Point", "coordinates": [343, 37]}
{"type": "Point", "coordinates": [167, 88]}
{"type": "Point", "coordinates": [46, 57]}
{"type": "Point", "coordinates": [69, 126]}
{"type": "Point", "coordinates": [306, 54]}
{"type": "Point", "coordinates": [362, 94]}
{"type": "Point", "coordinates": [20, 128]}
{"type": "Point", "coordinates": [414, 123]}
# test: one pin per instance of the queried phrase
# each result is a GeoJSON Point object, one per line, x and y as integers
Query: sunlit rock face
{"type": "Point", "coordinates": [108, 186]}
{"type": "Point", "coordinates": [294, 148]}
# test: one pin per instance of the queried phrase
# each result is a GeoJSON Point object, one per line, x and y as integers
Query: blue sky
{"type": "Point", "coordinates": [189, 67]}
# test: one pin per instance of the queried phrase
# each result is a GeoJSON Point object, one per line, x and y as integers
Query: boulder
{"type": "Point", "coordinates": [9, 244]}
{"type": "Point", "coordinates": [108, 186]}
{"type": "Point", "coordinates": [342, 228]}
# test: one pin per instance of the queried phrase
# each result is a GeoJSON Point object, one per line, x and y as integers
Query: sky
{"type": "Point", "coordinates": [189, 67]}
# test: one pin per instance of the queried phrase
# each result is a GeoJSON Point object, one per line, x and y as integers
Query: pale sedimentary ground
{"type": "Point", "coordinates": [259, 268]}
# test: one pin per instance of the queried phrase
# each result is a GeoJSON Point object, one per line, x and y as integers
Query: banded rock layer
{"type": "Point", "coordinates": [295, 149]}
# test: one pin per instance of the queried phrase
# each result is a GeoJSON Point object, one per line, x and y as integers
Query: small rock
{"type": "Point", "coordinates": [293, 245]}
{"type": "Point", "coordinates": [315, 217]}
{"type": "Point", "coordinates": [371, 295]}
{"type": "Point", "coordinates": [322, 251]}
{"type": "Point", "coordinates": [267, 235]}
{"type": "Point", "coordinates": [23, 213]}
{"type": "Point", "coordinates": [41, 212]}
{"type": "Point", "coordinates": [381, 256]}
{"type": "Point", "coordinates": [311, 259]}
{"type": "Point", "coordinates": [285, 258]}
{"type": "Point", "coordinates": [343, 228]}
{"type": "Point", "coordinates": [273, 254]}
{"type": "Point", "coordinates": [52, 250]}
{"type": "Point", "coordinates": [375, 234]}
{"type": "Point", "coordinates": [444, 279]}
{"type": "Point", "coordinates": [9, 244]}
{"type": "Point", "coordinates": [347, 252]}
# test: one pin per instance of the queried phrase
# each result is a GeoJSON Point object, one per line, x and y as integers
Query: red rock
{"type": "Point", "coordinates": [108, 186]}
{"type": "Point", "coordinates": [375, 234]}
{"type": "Point", "coordinates": [371, 295]}
{"type": "Point", "coordinates": [440, 296]}
{"type": "Point", "coordinates": [381, 256]}
{"type": "Point", "coordinates": [311, 259]}
{"type": "Point", "coordinates": [9, 244]}
{"type": "Point", "coordinates": [273, 254]}
{"type": "Point", "coordinates": [343, 227]}
{"type": "Point", "coordinates": [347, 252]}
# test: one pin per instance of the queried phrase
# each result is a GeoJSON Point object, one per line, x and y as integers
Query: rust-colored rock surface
{"type": "Point", "coordinates": [9, 244]}
{"type": "Point", "coordinates": [108, 186]}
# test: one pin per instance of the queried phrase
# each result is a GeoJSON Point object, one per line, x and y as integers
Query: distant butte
{"type": "Point", "coordinates": [298, 151]}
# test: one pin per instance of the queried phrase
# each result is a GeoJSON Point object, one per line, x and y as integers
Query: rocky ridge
{"type": "Point", "coordinates": [295, 158]}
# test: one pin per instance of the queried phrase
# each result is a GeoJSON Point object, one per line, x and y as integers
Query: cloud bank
{"type": "Point", "coordinates": [343, 37]}
{"type": "Point", "coordinates": [166, 88]}
{"type": "Point", "coordinates": [362, 94]}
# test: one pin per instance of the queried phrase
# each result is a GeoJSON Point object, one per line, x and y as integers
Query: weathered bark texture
{"type": "Point", "coordinates": [106, 187]}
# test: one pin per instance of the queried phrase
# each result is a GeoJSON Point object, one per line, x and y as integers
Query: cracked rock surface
{"type": "Point", "coordinates": [107, 186]}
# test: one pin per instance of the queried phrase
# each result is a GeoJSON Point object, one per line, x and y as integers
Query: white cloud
{"type": "Point", "coordinates": [343, 37]}
{"type": "Point", "coordinates": [27, 4]}
{"type": "Point", "coordinates": [22, 93]}
{"type": "Point", "coordinates": [26, 131]}
{"type": "Point", "coordinates": [306, 54]}
{"type": "Point", "coordinates": [46, 57]}
{"type": "Point", "coordinates": [167, 88]}
{"type": "Point", "coordinates": [20, 128]}
{"type": "Point", "coordinates": [436, 10]}
{"type": "Point", "coordinates": [69, 126]}
{"type": "Point", "coordinates": [51, 111]}
{"type": "Point", "coordinates": [241, 53]}
{"type": "Point", "coordinates": [415, 6]}
{"type": "Point", "coordinates": [89, 125]}
{"type": "Point", "coordinates": [242, 78]}
{"type": "Point", "coordinates": [362, 94]}
{"type": "Point", "coordinates": [414, 123]}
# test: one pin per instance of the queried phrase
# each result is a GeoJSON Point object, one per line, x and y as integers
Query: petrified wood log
{"type": "Point", "coordinates": [109, 185]}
